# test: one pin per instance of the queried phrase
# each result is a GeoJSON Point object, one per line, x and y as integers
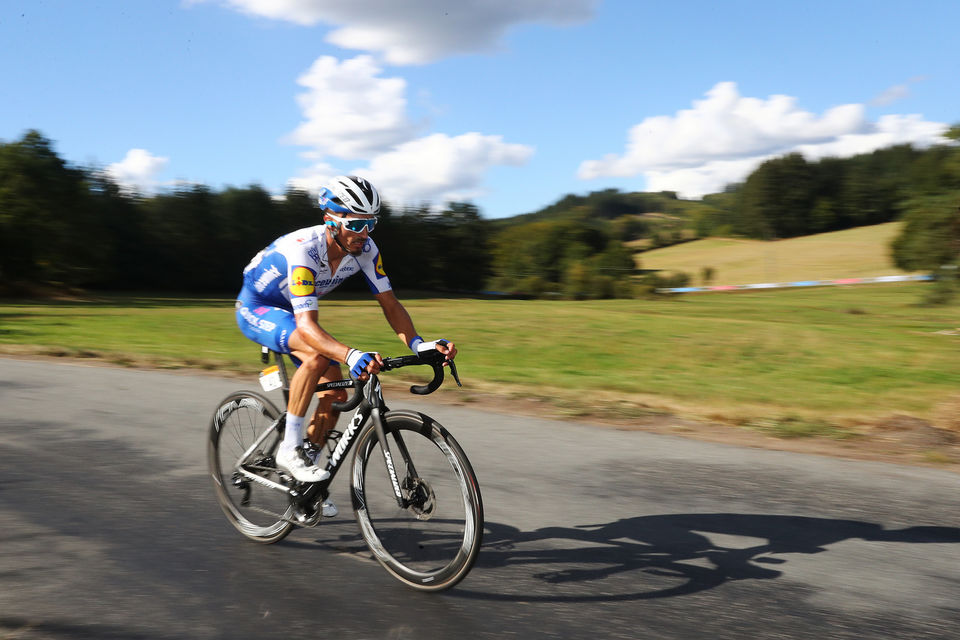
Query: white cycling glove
{"type": "Point", "coordinates": [357, 361]}
{"type": "Point", "coordinates": [417, 345]}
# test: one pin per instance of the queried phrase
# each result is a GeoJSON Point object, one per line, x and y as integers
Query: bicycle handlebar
{"type": "Point", "coordinates": [434, 359]}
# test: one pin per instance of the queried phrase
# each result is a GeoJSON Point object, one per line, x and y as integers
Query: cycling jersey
{"type": "Point", "coordinates": [289, 276]}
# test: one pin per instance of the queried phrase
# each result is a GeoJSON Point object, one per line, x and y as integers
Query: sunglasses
{"type": "Point", "coordinates": [357, 225]}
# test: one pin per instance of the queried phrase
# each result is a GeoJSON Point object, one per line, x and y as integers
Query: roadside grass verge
{"type": "Point", "coordinates": [828, 356]}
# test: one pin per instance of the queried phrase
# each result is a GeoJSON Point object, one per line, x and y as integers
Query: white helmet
{"type": "Point", "coordinates": [350, 194]}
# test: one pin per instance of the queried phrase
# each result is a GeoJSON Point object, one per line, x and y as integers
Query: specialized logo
{"type": "Point", "coordinates": [379, 268]}
{"type": "Point", "coordinates": [302, 282]}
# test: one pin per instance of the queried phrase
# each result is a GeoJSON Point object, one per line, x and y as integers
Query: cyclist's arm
{"type": "Point", "coordinates": [315, 336]}
{"type": "Point", "coordinates": [396, 314]}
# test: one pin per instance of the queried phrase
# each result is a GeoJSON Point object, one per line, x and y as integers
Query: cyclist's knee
{"type": "Point", "coordinates": [314, 362]}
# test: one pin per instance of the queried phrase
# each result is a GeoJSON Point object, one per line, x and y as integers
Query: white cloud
{"type": "Point", "coordinates": [418, 31]}
{"type": "Point", "coordinates": [725, 136]}
{"type": "Point", "coordinates": [436, 168]}
{"type": "Point", "coordinates": [441, 168]}
{"type": "Point", "coordinates": [138, 170]}
{"type": "Point", "coordinates": [351, 112]}
{"type": "Point", "coordinates": [312, 179]}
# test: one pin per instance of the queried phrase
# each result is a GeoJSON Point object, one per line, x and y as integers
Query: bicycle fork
{"type": "Point", "coordinates": [375, 398]}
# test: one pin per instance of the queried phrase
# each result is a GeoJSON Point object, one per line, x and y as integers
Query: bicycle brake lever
{"type": "Point", "coordinates": [453, 371]}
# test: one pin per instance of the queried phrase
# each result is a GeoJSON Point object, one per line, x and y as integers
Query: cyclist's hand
{"type": "Point", "coordinates": [447, 348]}
{"type": "Point", "coordinates": [363, 363]}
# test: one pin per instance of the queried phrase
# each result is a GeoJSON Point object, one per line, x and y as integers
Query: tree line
{"type": "Point", "coordinates": [65, 227]}
{"type": "Point", "coordinates": [790, 196]}
{"type": "Point", "coordinates": [68, 228]}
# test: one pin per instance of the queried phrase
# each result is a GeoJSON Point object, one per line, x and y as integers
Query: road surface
{"type": "Point", "coordinates": [109, 530]}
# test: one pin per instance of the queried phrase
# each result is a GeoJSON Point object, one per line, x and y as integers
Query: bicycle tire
{"type": "Point", "coordinates": [432, 544]}
{"type": "Point", "coordinates": [256, 511]}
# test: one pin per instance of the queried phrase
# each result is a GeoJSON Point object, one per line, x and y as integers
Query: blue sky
{"type": "Point", "coordinates": [508, 103]}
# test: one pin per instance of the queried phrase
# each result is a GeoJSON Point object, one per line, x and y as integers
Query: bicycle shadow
{"type": "Point", "coordinates": [675, 554]}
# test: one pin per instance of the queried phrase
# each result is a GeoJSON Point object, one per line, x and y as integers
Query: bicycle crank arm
{"type": "Point", "coordinates": [293, 493]}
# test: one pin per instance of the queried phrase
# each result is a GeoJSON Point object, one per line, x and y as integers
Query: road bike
{"type": "Point", "coordinates": [413, 491]}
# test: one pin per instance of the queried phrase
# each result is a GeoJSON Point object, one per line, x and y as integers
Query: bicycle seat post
{"type": "Point", "coordinates": [282, 369]}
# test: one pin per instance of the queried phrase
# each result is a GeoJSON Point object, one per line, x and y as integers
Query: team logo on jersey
{"type": "Point", "coordinates": [302, 282]}
{"type": "Point", "coordinates": [379, 268]}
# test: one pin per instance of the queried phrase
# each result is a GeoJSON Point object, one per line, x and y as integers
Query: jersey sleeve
{"type": "Point", "coordinates": [371, 263]}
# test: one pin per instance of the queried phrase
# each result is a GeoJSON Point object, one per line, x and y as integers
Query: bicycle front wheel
{"type": "Point", "coordinates": [256, 510]}
{"type": "Point", "coordinates": [431, 542]}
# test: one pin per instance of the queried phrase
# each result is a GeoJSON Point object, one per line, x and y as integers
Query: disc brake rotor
{"type": "Point", "coordinates": [422, 499]}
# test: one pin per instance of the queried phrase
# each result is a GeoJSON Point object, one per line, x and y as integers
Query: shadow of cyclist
{"type": "Point", "coordinates": [677, 554]}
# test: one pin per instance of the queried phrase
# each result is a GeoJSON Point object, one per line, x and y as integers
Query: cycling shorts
{"type": "Point", "coordinates": [266, 324]}
{"type": "Point", "coordinates": [263, 323]}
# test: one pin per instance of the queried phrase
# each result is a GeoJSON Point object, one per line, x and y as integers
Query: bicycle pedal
{"type": "Point", "coordinates": [301, 519]}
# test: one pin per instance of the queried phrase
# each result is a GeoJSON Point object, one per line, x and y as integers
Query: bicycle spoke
{"type": "Point", "coordinates": [254, 509]}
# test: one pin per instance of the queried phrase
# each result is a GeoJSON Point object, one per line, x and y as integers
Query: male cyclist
{"type": "Point", "coordinates": [278, 308]}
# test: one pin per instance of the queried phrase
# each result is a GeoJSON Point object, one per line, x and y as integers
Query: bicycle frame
{"type": "Point", "coordinates": [428, 543]}
{"type": "Point", "coordinates": [369, 405]}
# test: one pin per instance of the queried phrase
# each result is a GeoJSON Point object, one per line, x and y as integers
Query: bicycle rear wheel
{"type": "Point", "coordinates": [255, 510]}
{"type": "Point", "coordinates": [432, 543]}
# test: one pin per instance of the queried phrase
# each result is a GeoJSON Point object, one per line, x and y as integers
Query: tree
{"type": "Point", "coordinates": [930, 241]}
{"type": "Point", "coordinates": [777, 198]}
{"type": "Point", "coordinates": [44, 208]}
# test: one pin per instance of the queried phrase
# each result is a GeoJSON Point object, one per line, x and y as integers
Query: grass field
{"type": "Point", "coordinates": [852, 253]}
{"type": "Point", "coordinates": [837, 352]}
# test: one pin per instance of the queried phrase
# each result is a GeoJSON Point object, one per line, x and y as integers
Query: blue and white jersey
{"type": "Point", "coordinates": [293, 272]}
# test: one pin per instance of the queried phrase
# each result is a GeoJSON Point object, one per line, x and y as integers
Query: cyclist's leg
{"type": "Point", "coordinates": [324, 417]}
{"type": "Point", "coordinates": [275, 328]}
{"type": "Point", "coordinates": [305, 379]}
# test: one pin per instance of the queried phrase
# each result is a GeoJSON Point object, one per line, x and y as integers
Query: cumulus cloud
{"type": "Point", "coordinates": [138, 170]}
{"type": "Point", "coordinates": [418, 31]}
{"type": "Point", "coordinates": [725, 136]}
{"type": "Point", "coordinates": [353, 113]}
{"type": "Point", "coordinates": [350, 111]}
{"type": "Point", "coordinates": [442, 168]}
{"type": "Point", "coordinates": [437, 168]}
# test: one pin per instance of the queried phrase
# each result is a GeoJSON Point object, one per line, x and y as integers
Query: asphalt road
{"type": "Point", "coordinates": [109, 530]}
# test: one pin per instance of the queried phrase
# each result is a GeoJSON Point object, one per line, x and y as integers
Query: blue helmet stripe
{"type": "Point", "coordinates": [328, 200]}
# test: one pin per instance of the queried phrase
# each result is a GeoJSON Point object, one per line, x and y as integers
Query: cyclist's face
{"type": "Point", "coordinates": [353, 241]}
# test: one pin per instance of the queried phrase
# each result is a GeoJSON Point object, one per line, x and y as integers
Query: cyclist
{"type": "Point", "coordinates": [278, 308]}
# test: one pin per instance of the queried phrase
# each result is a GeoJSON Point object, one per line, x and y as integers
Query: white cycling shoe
{"type": "Point", "coordinates": [329, 509]}
{"type": "Point", "coordinates": [298, 464]}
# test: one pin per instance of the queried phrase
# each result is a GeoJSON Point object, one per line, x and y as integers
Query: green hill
{"type": "Point", "coordinates": [852, 253]}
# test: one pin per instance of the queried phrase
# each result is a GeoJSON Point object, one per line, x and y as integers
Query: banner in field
{"type": "Point", "coordinates": [800, 283]}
